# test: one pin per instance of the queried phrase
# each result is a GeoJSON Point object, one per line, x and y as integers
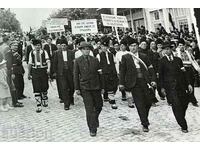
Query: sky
{"type": "Point", "coordinates": [32, 17]}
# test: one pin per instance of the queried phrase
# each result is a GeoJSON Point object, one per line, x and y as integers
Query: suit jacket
{"type": "Point", "coordinates": [14, 63]}
{"type": "Point", "coordinates": [172, 71]}
{"type": "Point", "coordinates": [28, 50]}
{"type": "Point", "coordinates": [53, 48]}
{"type": "Point", "coordinates": [87, 77]}
{"type": "Point", "coordinates": [128, 72]}
{"type": "Point", "coordinates": [58, 63]}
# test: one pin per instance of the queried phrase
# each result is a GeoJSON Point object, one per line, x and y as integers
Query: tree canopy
{"type": "Point", "coordinates": [8, 21]}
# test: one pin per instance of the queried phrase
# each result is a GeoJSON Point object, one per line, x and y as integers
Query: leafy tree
{"type": "Point", "coordinates": [8, 21]}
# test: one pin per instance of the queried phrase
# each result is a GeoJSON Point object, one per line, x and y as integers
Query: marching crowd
{"type": "Point", "coordinates": [95, 66]}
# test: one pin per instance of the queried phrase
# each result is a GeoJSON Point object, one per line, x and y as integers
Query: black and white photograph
{"type": "Point", "coordinates": [99, 74]}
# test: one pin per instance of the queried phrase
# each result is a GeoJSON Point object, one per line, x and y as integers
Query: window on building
{"type": "Point", "coordinates": [156, 15]}
{"type": "Point", "coordinates": [183, 24]}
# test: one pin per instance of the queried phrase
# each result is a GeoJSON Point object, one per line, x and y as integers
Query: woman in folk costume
{"type": "Point", "coordinates": [5, 96]}
{"type": "Point", "coordinates": [190, 66]}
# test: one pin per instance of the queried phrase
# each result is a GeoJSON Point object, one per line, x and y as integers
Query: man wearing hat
{"type": "Point", "coordinates": [18, 70]}
{"type": "Point", "coordinates": [174, 84]}
{"type": "Point", "coordinates": [185, 54]}
{"type": "Point", "coordinates": [159, 45]}
{"type": "Point", "coordinates": [63, 67]}
{"type": "Point", "coordinates": [123, 51]}
{"type": "Point", "coordinates": [15, 73]}
{"type": "Point", "coordinates": [87, 80]}
{"type": "Point", "coordinates": [38, 71]}
{"type": "Point", "coordinates": [58, 84]}
{"type": "Point", "coordinates": [136, 76]}
{"type": "Point", "coordinates": [109, 72]}
{"type": "Point", "coordinates": [50, 49]}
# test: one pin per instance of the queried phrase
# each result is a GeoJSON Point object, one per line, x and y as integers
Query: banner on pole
{"type": "Point", "coordinates": [114, 21]}
{"type": "Point", "coordinates": [55, 21]}
{"type": "Point", "coordinates": [59, 21]}
{"type": "Point", "coordinates": [84, 26]}
{"type": "Point", "coordinates": [55, 28]}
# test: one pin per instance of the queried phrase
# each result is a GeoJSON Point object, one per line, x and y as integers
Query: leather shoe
{"type": "Point", "coordinates": [131, 105]}
{"type": "Point", "coordinates": [184, 130]}
{"type": "Point", "coordinates": [124, 99]}
{"type": "Point", "coordinates": [93, 133]}
{"type": "Point", "coordinates": [114, 106]}
{"type": "Point", "coordinates": [106, 100]}
{"type": "Point", "coordinates": [38, 110]}
{"type": "Point", "coordinates": [18, 104]}
{"type": "Point", "coordinates": [145, 129]}
{"type": "Point", "coordinates": [195, 104]}
{"type": "Point", "coordinates": [66, 108]}
{"type": "Point", "coordinates": [153, 105]}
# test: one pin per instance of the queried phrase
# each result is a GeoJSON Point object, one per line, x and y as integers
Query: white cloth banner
{"type": "Point", "coordinates": [55, 21]}
{"type": "Point", "coordinates": [114, 21]}
{"type": "Point", "coordinates": [55, 28]}
{"type": "Point", "coordinates": [84, 26]}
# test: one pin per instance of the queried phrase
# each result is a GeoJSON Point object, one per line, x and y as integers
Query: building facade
{"type": "Point", "coordinates": [151, 17]}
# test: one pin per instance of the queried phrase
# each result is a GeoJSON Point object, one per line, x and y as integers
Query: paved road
{"type": "Point", "coordinates": [55, 124]}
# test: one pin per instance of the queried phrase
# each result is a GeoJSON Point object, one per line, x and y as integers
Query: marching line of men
{"type": "Point", "coordinates": [96, 74]}
{"type": "Point", "coordinates": [97, 79]}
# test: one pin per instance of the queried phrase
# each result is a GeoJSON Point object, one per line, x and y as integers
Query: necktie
{"type": "Point", "coordinates": [50, 50]}
{"type": "Point", "coordinates": [87, 60]}
{"type": "Point", "coordinates": [108, 62]}
{"type": "Point", "coordinates": [170, 58]}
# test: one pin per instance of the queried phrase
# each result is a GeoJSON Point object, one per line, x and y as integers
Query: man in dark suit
{"type": "Point", "coordinates": [63, 67]}
{"type": "Point", "coordinates": [28, 49]}
{"type": "Point", "coordinates": [136, 72]}
{"type": "Point", "coordinates": [50, 48]}
{"type": "Point", "coordinates": [174, 84]}
{"type": "Point", "coordinates": [88, 84]}
{"type": "Point", "coordinates": [109, 72]}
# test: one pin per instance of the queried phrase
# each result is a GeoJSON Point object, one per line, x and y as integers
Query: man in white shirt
{"type": "Point", "coordinates": [123, 51]}
{"type": "Point", "coordinates": [63, 62]}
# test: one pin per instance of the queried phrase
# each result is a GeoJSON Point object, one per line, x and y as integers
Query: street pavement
{"type": "Point", "coordinates": [121, 125]}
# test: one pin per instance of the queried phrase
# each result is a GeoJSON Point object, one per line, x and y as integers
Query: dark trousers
{"type": "Point", "coordinates": [40, 80]}
{"type": "Point", "coordinates": [93, 105]}
{"type": "Point", "coordinates": [12, 90]}
{"type": "Point", "coordinates": [142, 101]}
{"type": "Point", "coordinates": [159, 88]}
{"type": "Point", "coordinates": [191, 74]}
{"type": "Point", "coordinates": [179, 102]}
{"type": "Point", "coordinates": [66, 87]}
{"type": "Point", "coordinates": [19, 84]}
{"type": "Point", "coordinates": [58, 87]}
{"type": "Point", "coordinates": [123, 93]}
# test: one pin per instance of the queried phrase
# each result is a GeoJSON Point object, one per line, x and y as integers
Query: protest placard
{"type": "Point", "coordinates": [114, 21]}
{"type": "Point", "coordinates": [55, 28]}
{"type": "Point", "coordinates": [84, 26]}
